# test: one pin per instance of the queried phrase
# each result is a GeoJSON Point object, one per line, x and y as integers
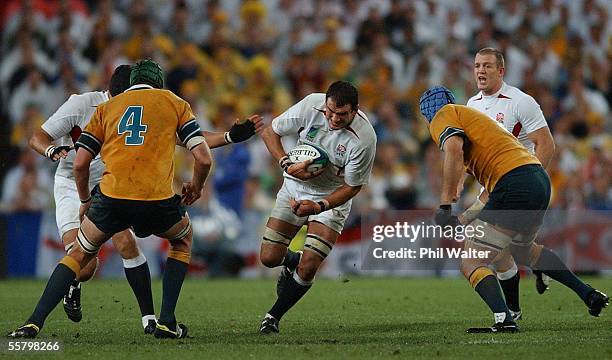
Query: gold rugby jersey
{"type": "Point", "coordinates": [135, 134]}
{"type": "Point", "coordinates": [489, 152]}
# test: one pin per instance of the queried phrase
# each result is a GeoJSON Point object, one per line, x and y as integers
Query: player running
{"type": "Point", "coordinates": [521, 115]}
{"type": "Point", "coordinates": [519, 193]}
{"type": "Point", "coordinates": [321, 200]}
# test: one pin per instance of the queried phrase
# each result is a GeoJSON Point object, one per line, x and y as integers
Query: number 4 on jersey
{"type": "Point", "coordinates": [130, 123]}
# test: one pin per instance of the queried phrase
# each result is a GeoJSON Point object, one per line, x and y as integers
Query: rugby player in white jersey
{"type": "Point", "coordinates": [333, 122]}
{"type": "Point", "coordinates": [521, 115]}
{"type": "Point", "coordinates": [55, 140]}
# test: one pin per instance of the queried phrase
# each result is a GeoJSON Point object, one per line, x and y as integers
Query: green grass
{"type": "Point", "coordinates": [353, 318]}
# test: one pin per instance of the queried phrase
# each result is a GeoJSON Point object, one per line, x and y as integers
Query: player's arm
{"type": "Point", "coordinates": [190, 134]}
{"type": "Point", "coordinates": [81, 173]}
{"type": "Point", "coordinates": [42, 143]}
{"type": "Point", "coordinates": [453, 170]}
{"type": "Point", "coordinates": [239, 132]}
{"type": "Point", "coordinates": [544, 145]}
{"type": "Point", "coordinates": [192, 191]}
{"type": "Point", "coordinates": [341, 195]}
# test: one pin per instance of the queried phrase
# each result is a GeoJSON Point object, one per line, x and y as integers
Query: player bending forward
{"type": "Point", "coordinates": [519, 193]}
{"type": "Point", "coordinates": [321, 200]}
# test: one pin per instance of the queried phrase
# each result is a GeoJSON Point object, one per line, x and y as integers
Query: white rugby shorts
{"type": "Point", "coordinates": [333, 218]}
{"type": "Point", "coordinates": [67, 204]}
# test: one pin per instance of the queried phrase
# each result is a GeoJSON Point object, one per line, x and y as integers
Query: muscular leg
{"type": "Point", "coordinates": [89, 240]}
{"type": "Point", "coordinates": [508, 276]}
{"type": "Point", "coordinates": [540, 258]}
{"type": "Point", "coordinates": [319, 242]}
{"type": "Point", "coordinates": [137, 273]}
{"type": "Point", "coordinates": [179, 256]}
{"type": "Point", "coordinates": [476, 270]}
{"type": "Point", "coordinates": [276, 239]}
{"type": "Point", "coordinates": [87, 272]}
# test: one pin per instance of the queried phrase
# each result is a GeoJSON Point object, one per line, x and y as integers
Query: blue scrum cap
{"type": "Point", "coordinates": [433, 100]}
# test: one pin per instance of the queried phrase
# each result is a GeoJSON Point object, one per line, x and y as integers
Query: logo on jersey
{"type": "Point", "coordinates": [340, 150]}
{"type": "Point", "coordinates": [499, 117]}
{"type": "Point", "coordinates": [312, 133]}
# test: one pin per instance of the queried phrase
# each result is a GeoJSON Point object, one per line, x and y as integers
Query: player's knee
{"type": "Point", "coordinates": [273, 247]}
{"type": "Point", "coordinates": [88, 269]}
{"type": "Point", "coordinates": [271, 255]}
{"type": "Point", "coordinates": [526, 255]}
{"type": "Point", "coordinates": [503, 262]}
{"type": "Point", "coordinates": [126, 245]}
{"type": "Point", "coordinates": [469, 265]}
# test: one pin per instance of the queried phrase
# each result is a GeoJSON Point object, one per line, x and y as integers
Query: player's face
{"type": "Point", "coordinates": [487, 74]}
{"type": "Point", "coordinates": [338, 117]}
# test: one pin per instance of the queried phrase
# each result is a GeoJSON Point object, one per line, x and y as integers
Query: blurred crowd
{"type": "Point", "coordinates": [232, 58]}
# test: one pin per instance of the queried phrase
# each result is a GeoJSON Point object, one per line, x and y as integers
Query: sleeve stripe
{"type": "Point", "coordinates": [449, 132]}
{"type": "Point", "coordinates": [80, 144]}
{"type": "Point", "coordinates": [88, 134]}
{"type": "Point", "coordinates": [192, 121]}
{"type": "Point", "coordinates": [189, 130]}
{"type": "Point", "coordinates": [89, 143]}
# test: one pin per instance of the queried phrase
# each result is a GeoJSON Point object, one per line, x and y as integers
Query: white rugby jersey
{"type": "Point", "coordinates": [65, 127]}
{"type": "Point", "coordinates": [518, 112]}
{"type": "Point", "coordinates": [351, 150]}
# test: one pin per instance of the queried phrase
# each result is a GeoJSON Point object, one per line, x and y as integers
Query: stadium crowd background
{"type": "Point", "coordinates": [232, 58]}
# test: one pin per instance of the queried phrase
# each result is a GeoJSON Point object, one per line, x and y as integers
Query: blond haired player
{"type": "Point", "coordinates": [521, 115]}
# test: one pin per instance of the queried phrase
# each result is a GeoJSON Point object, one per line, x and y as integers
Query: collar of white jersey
{"type": "Point", "coordinates": [139, 86]}
{"type": "Point", "coordinates": [502, 89]}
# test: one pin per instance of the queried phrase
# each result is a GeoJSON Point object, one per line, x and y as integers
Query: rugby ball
{"type": "Point", "coordinates": [304, 152]}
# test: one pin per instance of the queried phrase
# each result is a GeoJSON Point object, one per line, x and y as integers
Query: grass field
{"type": "Point", "coordinates": [349, 318]}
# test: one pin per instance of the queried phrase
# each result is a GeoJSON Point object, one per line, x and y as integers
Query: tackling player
{"type": "Point", "coordinates": [519, 191]}
{"type": "Point", "coordinates": [135, 132]}
{"type": "Point", "coordinates": [521, 115]}
{"type": "Point", "coordinates": [321, 200]}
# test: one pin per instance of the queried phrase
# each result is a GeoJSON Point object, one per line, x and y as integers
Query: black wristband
{"type": "Point", "coordinates": [322, 205]}
{"type": "Point", "coordinates": [446, 207]}
{"type": "Point", "coordinates": [284, 163]}
{"type": "Point", "coordinates": [86, 201]}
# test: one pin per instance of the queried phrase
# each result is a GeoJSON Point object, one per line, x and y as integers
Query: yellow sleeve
{"type": "Point", "coordinates": [94, 127]}
{"type": "Point", "coordinates": [445, 125]}
{"type": "Point", "coordinates": [185, 114]}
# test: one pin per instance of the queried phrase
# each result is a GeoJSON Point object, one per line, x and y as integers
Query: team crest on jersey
{"type": "Point", "coordinates": [340, 150]}
{"type": "Point", "coordinates": [312, 133]}
{"type": "Point", "coordinates": [499, 117]}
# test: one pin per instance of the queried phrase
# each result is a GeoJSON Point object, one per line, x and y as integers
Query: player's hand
{"type": "Point", "coordinates": [83, 209]}
{"type": "Point", "coordinates": [190, 194]}
{"type": "Point", "coordinates": [445, 217]}
{"type": "Point", "coordinates": [300, 170]}
{"type": "Point", "coordinates": [240, 132]}
{"type": "Point", "coordinates": [304, 207]}
{"type": "Point", "coordinates": [57, 152]}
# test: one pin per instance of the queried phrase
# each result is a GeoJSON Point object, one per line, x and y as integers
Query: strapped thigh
{"type": "Point", "coordinates": [87, 246]}
{"type": "Point", "coordinates": [274, 237]}
{"type": "Point", "coordinates": [490, 237]}
{"type": "Point", "coordinates": [181, 234]}
{"type": "Point", "coordinates": [318, 245]}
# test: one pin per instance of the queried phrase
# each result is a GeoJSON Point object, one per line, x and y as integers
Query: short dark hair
{"type": "Point", "coordinates": [120, 80]}
{"type": "Point", "coordinates": [343, 93]}
{"type": "Point", "coordinates": [499, 57]}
